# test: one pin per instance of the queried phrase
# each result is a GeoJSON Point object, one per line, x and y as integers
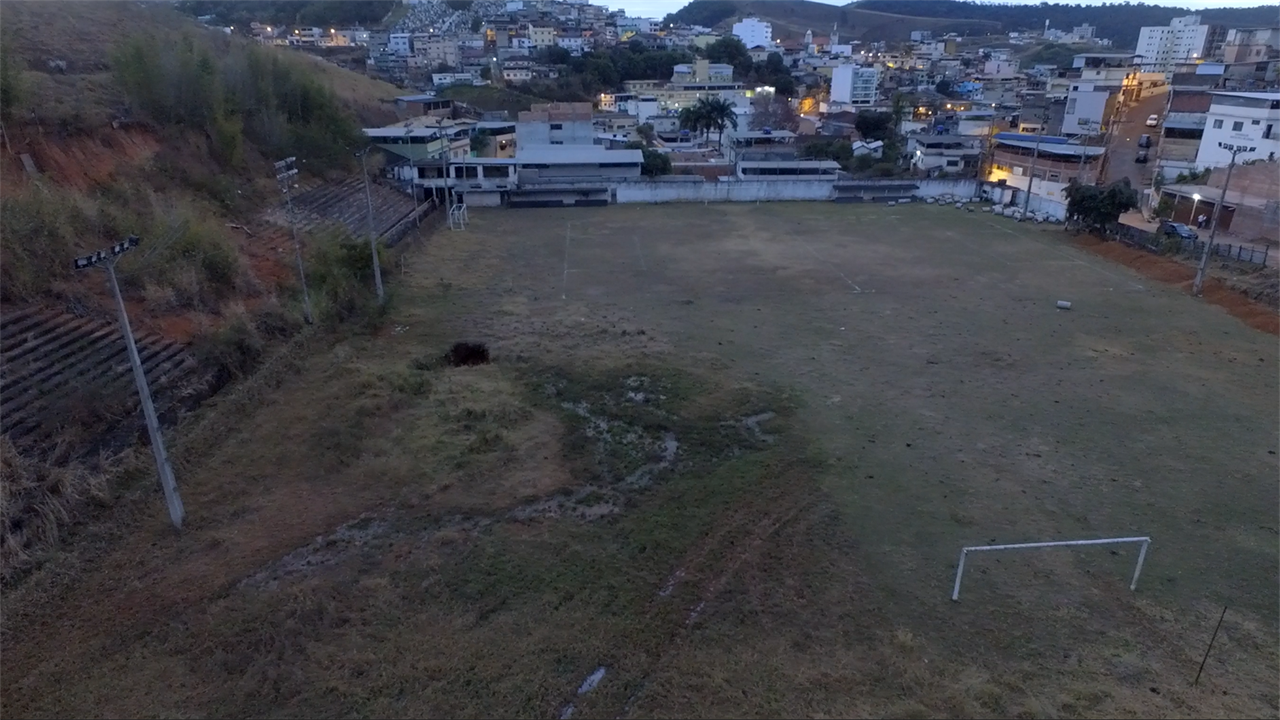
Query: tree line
{"type": "Point", "coordinates": [606, 70]}
{"type": "Point", "coordinates": [291, 12]}
{"type": "Point", "coordinates": [232, 90]}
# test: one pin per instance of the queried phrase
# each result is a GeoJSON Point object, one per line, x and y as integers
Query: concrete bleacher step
{"type": "Point", "coordinates": [49, 356]}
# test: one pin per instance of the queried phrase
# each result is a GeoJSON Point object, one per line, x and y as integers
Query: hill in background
{"type": "Point", "coordinates": [791, 18]}
{"type": "Point", "coordinates": [893, 20]}
{"type": "Point", "coordinates": [1118, 22]}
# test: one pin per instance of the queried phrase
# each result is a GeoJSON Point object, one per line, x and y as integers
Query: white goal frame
{"type": "Point", "coordinates": [458, 217]}
{"type": "Point", "coordinates": [964, 552]}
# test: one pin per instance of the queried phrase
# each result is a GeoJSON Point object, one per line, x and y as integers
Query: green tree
{"type": "Point", "coordinates": [732, 51]}
{"type": "Point", "coordinates": [692, 119]}
{"type": "Point", "coordinates": [1095, 208]}
{"type": "Point", "coordinates": [655, 163]}
{"type": "Point", "coordinates": [943, 87]}
{"type": "Point", "coordinates": [232, 90]}
{"type": "Point", "coordinates": [480, 142]}
{"type": "Point", "coordinates": [774, 64]}
{"type": "Point", "coordinates": [718, 114]}
{"type": "Point", "coordinates": [476, 24]}
{"type": "Point", "coordinates": [837, 149]}
{"type": "Point", "coordinates": [486, 73]}
{"type": "Point", "coordinates": [647, 134]}
{"type": "Point", "coordinates": [556, 55]}
{"type": "Point", "coordinates": [874, 125]}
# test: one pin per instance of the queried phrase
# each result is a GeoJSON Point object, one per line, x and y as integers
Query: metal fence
{"type": "Point", "coordinates": [1159, 243]}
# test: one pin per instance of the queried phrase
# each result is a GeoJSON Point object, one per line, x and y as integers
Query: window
{"type": "Point", "coordinates": [557, 142]}
{"type": "Point", "coordinates": [557, 126]}
{"type": "Point", "coordinates": [1237, 126]}
{"type": "Point", "coordinates": [1266, 134]}
{"type": "Point", "coordinates": [953, 163]}
{"type": "Point", "coordinates": [1217, 124]}
{"type": "Point", "coordinates": [1256, 122]}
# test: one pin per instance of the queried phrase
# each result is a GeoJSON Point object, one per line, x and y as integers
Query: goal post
{"type": "Point", "coordinates": [1137, 570]}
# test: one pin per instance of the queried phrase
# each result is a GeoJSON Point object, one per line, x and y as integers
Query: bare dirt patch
{"type": "Point", "coordinates": [1255, 314]}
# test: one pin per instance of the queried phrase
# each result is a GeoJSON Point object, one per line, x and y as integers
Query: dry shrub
{"type": "Point", "coordinates": [39, 499]}
{"type": "Point", "coordinates": [233, 350]}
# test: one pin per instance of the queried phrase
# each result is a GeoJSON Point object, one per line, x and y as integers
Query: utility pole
{"type": "Point", "coordinates": [1088, 126]}
{"type": "Point", "coordinates": [107, 260]}
{"type": "Point", "coordinates": [373, 238]}
{"type": "Point", "coordinates": [1035, 156]}
{"type": "Point", "coordinates": [1217, 210]}
{"type": "Point", "coordinates": [285, 172]}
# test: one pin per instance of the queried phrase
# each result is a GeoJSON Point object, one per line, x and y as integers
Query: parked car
{"type": "Point", "coordinates": [1142, 157]}
{"type": "Point", "coordinates": [1153, 120]}
{"type": "Point", "coordinates": [1179, 229]}
{"type": "Point", "coordinates": [1144, 141]}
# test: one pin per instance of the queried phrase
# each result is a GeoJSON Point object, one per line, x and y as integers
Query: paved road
{"type": "Point", "coordinates": [1124, 147]}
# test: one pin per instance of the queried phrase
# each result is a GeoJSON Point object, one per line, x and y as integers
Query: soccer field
{"type": "Point", "coordinates": [722, 465]}
{"type": "Point", "coordinates": [960, 404]}
{"type": "Point", "coordinates": [957, 404]}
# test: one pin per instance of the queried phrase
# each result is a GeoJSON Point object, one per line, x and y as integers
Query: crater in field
{"type": "Point", "coordinates": [467, 353]}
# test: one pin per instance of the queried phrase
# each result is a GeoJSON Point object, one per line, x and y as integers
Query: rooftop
{"type": "Point", "coordinates": [574, 155]}
{"type": "Point", "coordinates": [761, 134]}
{"type": "Point", "coordinates": [1250, 95]}
{"type": "Point", "coordinates": [1233, 198]}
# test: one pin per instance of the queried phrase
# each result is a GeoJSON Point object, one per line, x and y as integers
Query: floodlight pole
{"type": "Point", "coordinates": [1235, 150]}
{"type": "Point", "coordinates": [373, 239]}
{"type": "Point", "coordinates": [285, 172]}
{"type": "Point", "coordinates": [107, 260]}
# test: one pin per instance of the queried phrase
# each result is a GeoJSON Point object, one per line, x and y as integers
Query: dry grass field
{"type": "Point", "coordinates": [722, 464]}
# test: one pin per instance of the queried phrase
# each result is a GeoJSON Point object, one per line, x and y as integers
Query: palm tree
{"type": "Point", "coordinates": [692, 119]}
{"type": "Point", "coordinates": [719, 114]}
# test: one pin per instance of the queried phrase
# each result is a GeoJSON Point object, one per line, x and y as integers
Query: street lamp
{"type": "Point", "coordinates": [1195, 202]}
{"type": "Point", "coordinates": [1217, 209]}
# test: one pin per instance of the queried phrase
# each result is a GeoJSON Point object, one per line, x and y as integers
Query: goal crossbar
{"type": "Point", "coordinates": [964, 552]}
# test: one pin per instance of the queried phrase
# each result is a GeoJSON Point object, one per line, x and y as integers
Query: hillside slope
{"type": "Point", "coordinates": [791, 18]}
{"type": "Point", "coordinates": [129, 119]}
{"type": "Point", "coordinates": [1119, 22]}
{"type": "Point", "coordinates": [118, 160]}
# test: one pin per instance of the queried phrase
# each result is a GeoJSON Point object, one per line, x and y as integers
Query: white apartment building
{"type": "Point", "coordinates": [1088, 108]}
{"type": "Point", "coordinates": [854, 85]}
{"type": "Point", "coordinates": [753, 31]}
{"type": "Point", "coordinates": [1162, 47]}
{"type": "Point", "coordinates": [572, 44]}
{"type": "Point", "coordinates": [400, 43]}
{"type": "Point", "coordinates": [638, 24]}
{"type": "Point", "coordinates": [1240, 118]}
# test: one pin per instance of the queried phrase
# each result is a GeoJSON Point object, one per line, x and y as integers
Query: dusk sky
{"type": "Point", "coordinates": [660, 8]}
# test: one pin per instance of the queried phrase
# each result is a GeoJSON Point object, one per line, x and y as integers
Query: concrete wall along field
{"type": "Point", "coordinates": [664, 191]}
